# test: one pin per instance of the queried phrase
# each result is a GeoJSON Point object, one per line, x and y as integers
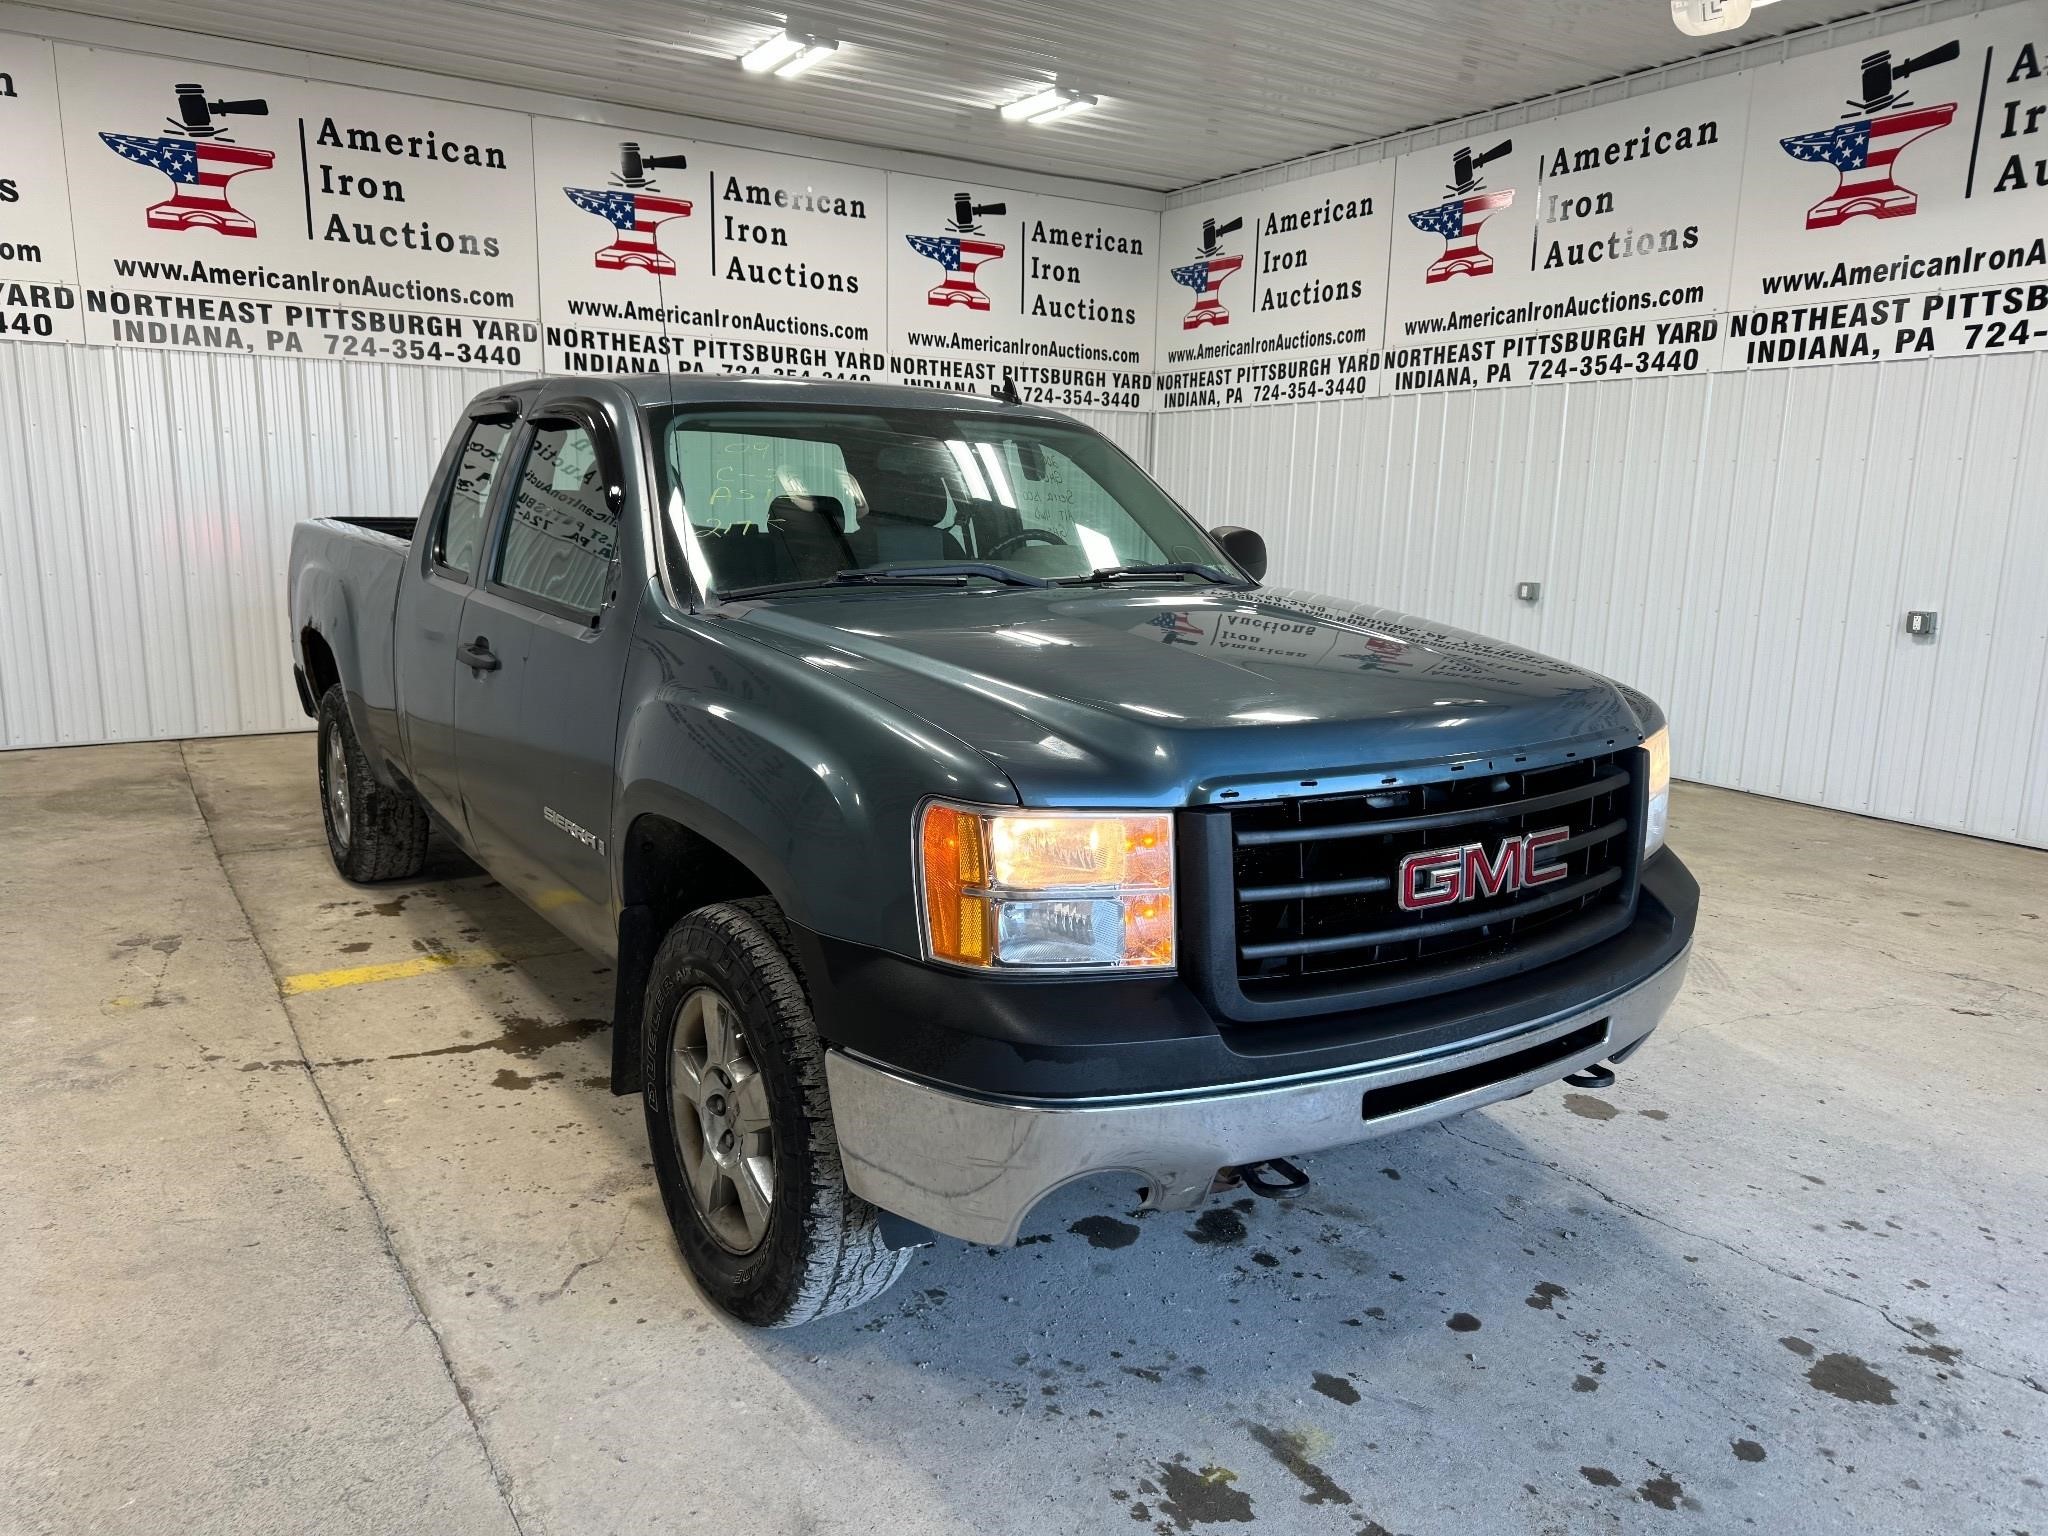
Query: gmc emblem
{"type": "Point", "coordinates": [1437, 877]}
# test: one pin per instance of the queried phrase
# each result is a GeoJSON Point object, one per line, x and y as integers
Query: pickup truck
{"type": "Point", "coordinates": [963, 820]}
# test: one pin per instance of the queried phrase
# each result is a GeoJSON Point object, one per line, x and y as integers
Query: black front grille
{"type": "Point", "coordinates": [1313, 881]}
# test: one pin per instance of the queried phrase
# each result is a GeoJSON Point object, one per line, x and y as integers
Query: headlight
{"type": "Point", "coordinates": [1659, 813]}
{"type": "Point", "coordinates": [1046, 890]}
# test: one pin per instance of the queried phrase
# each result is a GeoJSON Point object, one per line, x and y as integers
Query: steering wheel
{"type": "Point", "coordinates": [1022, 537]}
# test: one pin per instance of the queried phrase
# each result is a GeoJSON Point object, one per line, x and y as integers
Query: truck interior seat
{"type": "Point", "coordinates": [906, 496]}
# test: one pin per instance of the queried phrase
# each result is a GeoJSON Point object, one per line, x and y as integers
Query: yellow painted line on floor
{"type": "Point", "coordinates": [399, 970]}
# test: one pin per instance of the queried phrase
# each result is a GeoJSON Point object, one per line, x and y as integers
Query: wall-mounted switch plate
{"type": "Point", "coordinates": [1920, 622]}
{"type": "Point", "coordinates": [1528, 591]}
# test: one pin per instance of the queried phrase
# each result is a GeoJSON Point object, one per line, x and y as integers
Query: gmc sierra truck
{"type": "Point", "coordinates": [962, 819]}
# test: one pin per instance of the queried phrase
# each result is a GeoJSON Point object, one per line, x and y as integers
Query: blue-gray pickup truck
{"type": "Point", "coordinates": [963, 819]}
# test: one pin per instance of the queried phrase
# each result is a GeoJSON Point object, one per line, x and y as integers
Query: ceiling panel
{"type": "Point", "coordinates": [1190, 90]}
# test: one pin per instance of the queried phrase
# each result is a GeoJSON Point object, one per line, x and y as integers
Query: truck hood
{"type": "Point", "coordinates": [1150, 695]}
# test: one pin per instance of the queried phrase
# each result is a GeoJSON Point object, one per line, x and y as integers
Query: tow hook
{"type": "Point", "coordinates": [1595, 1076]}
{"type": "Point", "coordinates": [1272, 1178]}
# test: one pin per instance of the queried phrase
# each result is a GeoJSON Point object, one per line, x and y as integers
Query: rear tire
{"type": "Point", "coordinates": [741, 1129]}
{"type": "Point", "coordinates": [373, 832]}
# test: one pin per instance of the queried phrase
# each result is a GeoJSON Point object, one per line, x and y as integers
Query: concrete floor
{"type": "Point", "coordinates": [310, 1231]}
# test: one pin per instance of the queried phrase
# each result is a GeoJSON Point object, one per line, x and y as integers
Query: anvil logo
{"type": "Point", "coordinates": [1863, 148]}
{"type": "Point", "coordinates": [199, 162]}
{"type": "Point", "coordinates": [634, 209]}
{"type": "Point", "coordinates": [960, 251]}
{"type": "Point", "coordinates": [1458, 220]}
{"type": "Point", "coordinates": [1207, 276]}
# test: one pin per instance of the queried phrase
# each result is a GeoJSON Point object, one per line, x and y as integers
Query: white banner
{"type": "Point", "coordinates": [658, 253]}
{"type": "Point", "coordinates": [1895, 202]}
{"type": "Point", "coordinates": [221, 210]}
{"type": "Point", "coordinates": [1055, 292]}
{"type": "Point", "coordinates": [1593, 245]}
{"type": "Point", "coordinates": [38, 272]}
{"type": "Point", "coordinates": [1880, 200]}
{"type": "Point", "coordinates": [1275, 295]}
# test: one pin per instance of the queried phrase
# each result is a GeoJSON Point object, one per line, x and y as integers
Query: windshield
{"type": "Point", "coordinates": [770, 496]}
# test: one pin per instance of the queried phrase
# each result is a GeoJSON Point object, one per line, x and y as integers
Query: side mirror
{"type": "Point", "coordinates": [1245, 548]}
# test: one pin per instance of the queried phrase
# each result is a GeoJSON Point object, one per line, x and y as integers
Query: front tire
{"type": "Point", "coordinates": [373, 833]}
{"type": "Point", "coordinates": [741, 1129]}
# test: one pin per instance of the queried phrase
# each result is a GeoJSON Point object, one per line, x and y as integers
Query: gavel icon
{"type": "Point", "coordinates": [196, 114]}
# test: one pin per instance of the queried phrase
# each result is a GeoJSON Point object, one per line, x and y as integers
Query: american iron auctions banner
{"type": "Point", "coordinates": [1275, 295]}
{"type": "Point", "coordinates": [1885, 199]}
{"type": "Point", "coordinates": [1055, 292]}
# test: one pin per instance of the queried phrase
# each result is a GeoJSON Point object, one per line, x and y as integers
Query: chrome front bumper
{"type": "Point", "coordinates": [973, 1168]}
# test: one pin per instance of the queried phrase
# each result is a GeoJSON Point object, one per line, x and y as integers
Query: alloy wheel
{"type": "Point", "coordinates": [719, 1104]}
{"type": "Point", "coordinates": [337, 785]}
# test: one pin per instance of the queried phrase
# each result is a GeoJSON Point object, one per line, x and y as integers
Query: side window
{"type": "Point", "coordinates": [561, 537]}
{"type": "Point", "coordinates": [461, 535]}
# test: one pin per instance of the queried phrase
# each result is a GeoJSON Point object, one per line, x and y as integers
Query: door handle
{"type": "Point", "coordinates": [478, 655]}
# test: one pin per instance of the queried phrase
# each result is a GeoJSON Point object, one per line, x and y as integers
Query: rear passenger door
{"type": "Point", "coordinates": [541, 662]}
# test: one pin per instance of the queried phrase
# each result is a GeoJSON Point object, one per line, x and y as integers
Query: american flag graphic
{"type": "Point", "coordinates": [199, 172]}
{"type": "Point", "coordinates": [1206, 277]}
{"type": "Point", "coordinates": [960, 258]}
{"type": "Point", "coordinates": [1458, 222]}
{"type": "Point", "coordinates": [1863, 152]}
{"type": "Point", "coordinates": [1179, 628]}
{"type": "Point", "coordinates": [635, 215]}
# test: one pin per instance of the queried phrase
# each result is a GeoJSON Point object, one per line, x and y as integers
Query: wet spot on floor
{"type": "Point", "coordinates": [1940, 1354]}
{"type": "Point", "coordinates": [1036, 1237]}
{"type": "Point", "coordinates": [1662, 1490]}
{"type": "Point", "coordinates": [596, 1080]}
{"type": "Point", "coordinates": [391, 908]}
{"type": "Point", "coordinates": [507, 1078]}
{"type": "Point", "coordinates": [1852, 1380]}
{"type": "Point", "coordinates": [1746, 1450]}
{"type": "Point", "coordinates": [1377, 1312]}
{"type": "Point", "coordinates": [1106, 1231]}
{"type": "Point", "coordinates": [1392, 1173]}
{"type": "Point", "coordinates": [1797, 1345]}
{"type": "Point", "coordinates": [1218, 1227]}
{"type": "Point", "coordinates": [1207, 1497]}
{"type": "Point", "coordinates": [356, 948]}
{"type": "Point", "coordinates": [1545, 1295]}
{"type": "Point", "coordinates": [1265, 1260]}
{"type": "Point", "coordinates": [1585, 1384]}
{"type": "Point", "coordinates": [1336, 1388]}
{"type": "Point", "coordinates": [1462, 1322]}
{"type": "Point", "coordinates": [1290, 1448]}
{"type": "Point", "coordinates": [524, 1037]}
{"type": "Point", "coordinates": [1654, 1114]}
{"type": "Point", "coordinates": [169, 946]}
{"type": "Point", "coordinates": [1814, 1179]}
{"type": "Point", "coordinates": [1600, 1477]}
{"type": "Point", "coordinates": [1586, 1107]}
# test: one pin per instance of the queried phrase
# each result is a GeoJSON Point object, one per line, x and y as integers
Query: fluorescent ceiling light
{"type": "Point", "coordinates": [788, 53]}
{"type": "Point", "coordinates": [779, 49]}
{"type": "Point", "coordinates": [1049, 105]}
{"type": "Point", "coordinates": [815, 51]}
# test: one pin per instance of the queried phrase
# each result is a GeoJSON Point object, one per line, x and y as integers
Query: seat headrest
{"type": "Point", "coordinates": [785, 510]}
{"type": "Point", "coordinates": [908, 484]}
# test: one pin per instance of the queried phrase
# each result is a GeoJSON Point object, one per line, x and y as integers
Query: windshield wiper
{"type": "Point", "coordinates": [950, 574]}
{"type": "Point", "coordinates": [1142, 572]}
{"type": "Point", "coordinates": [961, 569]}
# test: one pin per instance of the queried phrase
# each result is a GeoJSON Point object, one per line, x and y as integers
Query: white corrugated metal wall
{"type": "Point", "coordinates": [1742, 546]}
